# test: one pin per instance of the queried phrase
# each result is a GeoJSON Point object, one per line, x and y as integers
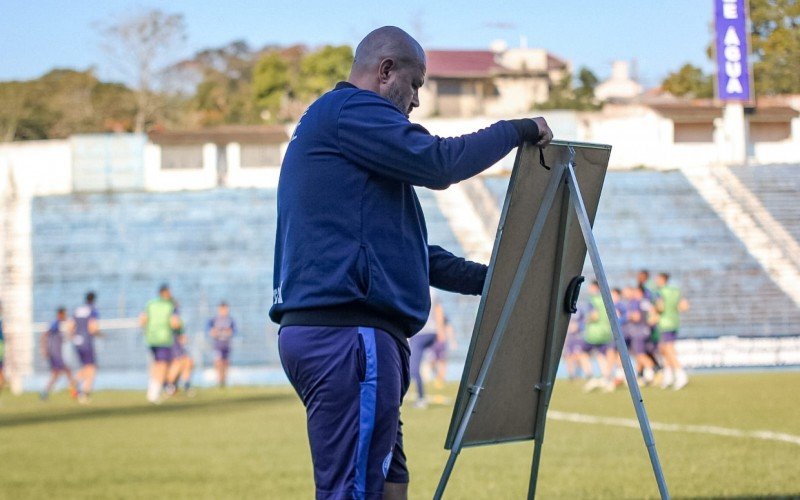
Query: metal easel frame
{"type": "Point", "coordinates": [575, 199]}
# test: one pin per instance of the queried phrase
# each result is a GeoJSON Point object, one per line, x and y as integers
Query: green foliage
{"type": "Point", "coordinates": [225, 94]}
{"type": "Point", "coordinates": [563, 95]}
{"type": "Point", "coordinates": [689, 81]}
{"type": "Point", "coordinates": [271, 84]}
{"type": "Point", "coordinates": [286, 81]}
{"type": "Point", "coordinates": [775, 37]}
{"type": "Point", "coordinates": [320, 70]}
{"type": "Point", "coordinates": [61, 103]}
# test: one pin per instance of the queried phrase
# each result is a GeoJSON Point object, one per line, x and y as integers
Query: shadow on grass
{"type": "Point", "coordinates": [135, 410]}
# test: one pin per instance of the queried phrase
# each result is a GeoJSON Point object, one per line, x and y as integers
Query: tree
{"type": "Point", "coordinates": [61, 103]}
{"type": "Point", "coordinates": [14, 98]}
{"type": "Point", "coordinates": [775, 35]}
{"type": "Point", "coordinates": [271, 84]}
{"type": "Point", "coordinates": [689, 81]}
{"type": "Point", "coordinates": [320, 70]}
{"type": "Point", "coordinates": [139, 45]}
{"type": "Point", "coordinates": [564, 96]}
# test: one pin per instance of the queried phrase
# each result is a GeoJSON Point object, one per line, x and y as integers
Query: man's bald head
{"type": "Point", "coordinates": [388, 42]}
{"type": "Point", "coordinates": [390, 63]}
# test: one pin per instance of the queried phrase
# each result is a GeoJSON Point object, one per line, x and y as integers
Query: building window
{"type": "Point", "coordinates": [449, 87]}
{"type": "Point", "coordinates": [260, 155]}
{"type": "Point", "coordinates": [770, 132]}
{"type": "Point", "coordinates": [182, 157]}
{"type": "Point", "coordinates": [694, 132]}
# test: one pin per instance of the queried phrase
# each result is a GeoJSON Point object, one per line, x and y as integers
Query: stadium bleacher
{"type": "Point", "coordinates": [658, 221]}
{"type": "Point", "coordinates": [218, 244]}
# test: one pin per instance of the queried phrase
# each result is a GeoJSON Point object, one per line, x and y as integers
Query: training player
{"type": "Point", "coordinates": [575, 347]}
{"type": "Point", "coordinates": [52, 343]}
{"type": "Point", "coordinates": [180, 369]}
{"type": "Point", "coordinates": [422, 342]}
{"type": "Point", "coordinates": [637, 330]}
{"type": "Point", "coordinates": [670, 304]}
{"type": "Point", "coordinates": [159, 321]}
{"type": "Point", "coordinates": [85, 327]}
{"type": "Point", "coordinates": [445, 339]}
{"type": "Point", "coordinates": [222, 328]}
{"type": "Point", "coordinates": [597, 335]}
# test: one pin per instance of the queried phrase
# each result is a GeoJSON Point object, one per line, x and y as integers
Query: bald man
{"type": "Point", "coordinates": [352, 260]}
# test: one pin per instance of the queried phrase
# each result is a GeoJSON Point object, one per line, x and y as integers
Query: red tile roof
{"type": "Point", "coordinates": [461, 63]}
{"type": "Point", "coordinates": [473, 64]}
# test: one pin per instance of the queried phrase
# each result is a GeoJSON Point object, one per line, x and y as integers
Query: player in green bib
{"type": "Point", "coordinates": [159, 321]}
{"type": "Point", "coordinates": [598, 338]}
{"type": "Point", "coordinates": [670, 304]}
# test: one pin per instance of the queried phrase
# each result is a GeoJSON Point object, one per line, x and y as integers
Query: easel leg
{"type": "Point", "coordinates": [456, 449]}
{"type": "Point", "coordinates": [537, 455]}
{"type": "Point", "coordinates": [514, 292]}
{"type": "Point", "coordinates": [605, 290]}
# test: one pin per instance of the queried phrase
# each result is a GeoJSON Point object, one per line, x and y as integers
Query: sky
{"type": "Point", "coordinates": [661, 36]}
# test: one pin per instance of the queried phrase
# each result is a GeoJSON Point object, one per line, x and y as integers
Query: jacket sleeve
{"type": "Point", "coordinates": [376, 136]}
{"type": "Point", "coordinates": [455, 274]}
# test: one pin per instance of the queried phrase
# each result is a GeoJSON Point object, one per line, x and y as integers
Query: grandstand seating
{"type": "Point", "coordinates": [218, 244]}
{"type": "Point", "coordinates": [657, 221]}
{"type": "Point", "coordinates": [777, 188]}
{"type": "Point", "coordinates": [208, 245]}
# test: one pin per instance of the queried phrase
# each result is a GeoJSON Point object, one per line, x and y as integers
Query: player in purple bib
{"type": "Point", "coordinates": [637, 329]}
{"type": "Point", "coordinates": [575, 347]}
{"type": "Point", "coordinates": [52, 343]}
{"type": "Point", "coordinates": [85, 328]}
{"type": "Point", "coordinates": [221, 328]}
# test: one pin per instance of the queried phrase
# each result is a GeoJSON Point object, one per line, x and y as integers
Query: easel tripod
{"type": "Point", "coordinates": [561, 173]}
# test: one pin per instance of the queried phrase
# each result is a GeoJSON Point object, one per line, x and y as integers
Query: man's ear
{"type": "Point", "coordinates": [385, 68]}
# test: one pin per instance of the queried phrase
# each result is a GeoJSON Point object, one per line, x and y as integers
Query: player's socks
{"type": "Point", "coordinates": [681, 379]}
{"type": "Point", "coordinates": [154, 391]}
{"type": "Point", "coordinates": [648, 375]}
{"type": "Point", "coordinates": [668, 378]}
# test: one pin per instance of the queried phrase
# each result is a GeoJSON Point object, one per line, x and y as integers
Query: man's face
{"type": "Point", "coordinates": [642, 277]}
{"type": "Point", "coordinates": [402, 89]}
{"type": "Point", "coordinates": [222, 310]}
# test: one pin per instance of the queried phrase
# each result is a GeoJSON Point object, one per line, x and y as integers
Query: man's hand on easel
{"type": "Point", "coordinates": [545, 134]}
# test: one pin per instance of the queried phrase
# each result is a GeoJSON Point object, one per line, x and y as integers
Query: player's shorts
{"type": "Point", "coordinates": [352, 381]}
{"type": "Point", "coordinates": [161, 353]}
{"type": "Point", "coordinates": [86, 355]}
{"type": "Point", "coordinates": [669, 336]}
{"type": "Point", "coordinates": [178, 351]}
{"type": "Point", "coordinates": [598, 348]}
{"type": "Point", "coordinates": [56, 363]}
{"type": "Point", "coordinates": [439, 350]}
{"type": "Point", "coordinates": [574, 344]}
{"type": "Point", "coordinates": [222, 352]}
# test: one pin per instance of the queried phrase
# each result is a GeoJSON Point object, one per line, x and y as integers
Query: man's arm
{"type": "Point", "coordinates": [455, 274]}
{"type": "Point", "coordinates": [374, 135]}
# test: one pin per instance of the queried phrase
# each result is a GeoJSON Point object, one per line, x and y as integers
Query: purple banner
{"type": "Point", "coordinates": [733, 70]}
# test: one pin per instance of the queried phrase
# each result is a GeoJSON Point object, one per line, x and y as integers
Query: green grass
{"type": "Point", "coordinates": [251, 443]}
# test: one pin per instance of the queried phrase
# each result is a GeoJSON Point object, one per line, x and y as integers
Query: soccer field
{"type": "Point", "coordinates": [724, 435]}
